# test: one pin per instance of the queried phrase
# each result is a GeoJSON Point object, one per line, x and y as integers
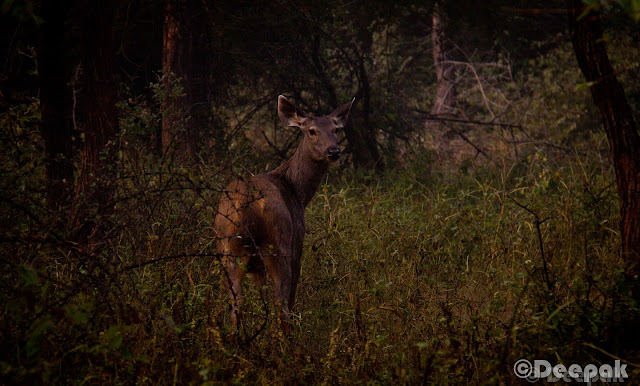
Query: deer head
{"type": "Point", "coordinates": [320, 134]}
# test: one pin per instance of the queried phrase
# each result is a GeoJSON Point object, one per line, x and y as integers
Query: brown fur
{"type": "Point", "coordinates": [260, 222]}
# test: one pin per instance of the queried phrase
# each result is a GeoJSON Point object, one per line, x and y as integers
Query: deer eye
{"type": "Point", "coordinates": [338, 130]}
{"type": "Point", "coordinates": [313, 132]}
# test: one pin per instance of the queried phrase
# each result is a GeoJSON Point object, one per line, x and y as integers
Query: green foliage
{"type": "Point", "coordinates": [419, 273]}
{"type": "Point", "coordinates": [630, 7]}
{"type": "Point", "coordinates": [22, 10]}
{"type": "Point", "coordinates": [427, 271]}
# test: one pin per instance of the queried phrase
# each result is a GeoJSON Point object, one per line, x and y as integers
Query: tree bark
{"type": "Point", "coordinates": [446, 88]}
{"type": "Point", "coordinates": [365, 145]}
{"type": "Point", "coordinates": [361, 139]}
{"type": "Point", "coordinates": [96, 183]}
{"type": "Point", "coordinates": [367, 154]}
{"type": "Point", "coordinates": [624, 141]}
{"type": "Point", "coordinates": [176, 65]}
{"type": "Point", "coordinates": [55, 103]}
{"type": "Point", "coordinates": [323, 77]}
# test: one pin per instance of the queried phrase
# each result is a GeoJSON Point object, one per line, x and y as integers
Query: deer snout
{"type": "Point", "coordinates": [333, 153]}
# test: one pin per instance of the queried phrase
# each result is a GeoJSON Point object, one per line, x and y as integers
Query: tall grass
{"type": "Point", "coordinates": [415, 274]}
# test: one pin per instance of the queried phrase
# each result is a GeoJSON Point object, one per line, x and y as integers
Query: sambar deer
{"type": "Point", "coordinates": [260, 222]}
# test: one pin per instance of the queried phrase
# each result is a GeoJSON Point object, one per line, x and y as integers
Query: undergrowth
{"type": "Point", "coordinates": [410, 275]}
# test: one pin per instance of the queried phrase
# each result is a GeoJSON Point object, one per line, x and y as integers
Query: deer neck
{"type": "Point", "coordinates": [304, 174]}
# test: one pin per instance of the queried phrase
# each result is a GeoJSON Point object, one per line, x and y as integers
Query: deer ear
{"type": "Point", "coordinates": [341, 114]}
{"type": "Point", "coordinates": [289, 114]}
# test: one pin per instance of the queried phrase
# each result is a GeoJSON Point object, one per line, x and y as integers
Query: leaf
{"type": "Point", "coordinates": [78, 313]}
{"type": "Point", "coordinates": [584, 85]}
{"type": "Point", "coordinates": [6, 6]}
{"type": "Point", "coordinates": [27, 274]}
{"type": "Point", "coordinates": [594, 6]}
{"type": "Point", "coordinates": [422, 345]}
{"type": "Point", "coordinates": [38, 329]}
{"type": "Point", "coordinates": [112, 338]}
{"type": "Point", "coordinates": [634, 10]}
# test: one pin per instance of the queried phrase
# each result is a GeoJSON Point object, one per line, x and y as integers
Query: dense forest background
{"type": "Point", "coordinates": [487, 208]}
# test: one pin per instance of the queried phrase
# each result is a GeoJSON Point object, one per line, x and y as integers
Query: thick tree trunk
{"type": "Point", "coordinates": [96, 183]}
{"type": "Point", "coordinates": [176, 64]}
{"type": "Point", "coordinates": [55, 103]}
{"type": "Point", "coordinates": [446, 89]}
{"type": "Point", "coordinates": [363, 137]}
{"type": "Point", "coordinates": [624, 142]}
{"type": "Point", "coordinates": [367, 154]}
{"type": "Point", "coordinates": [362, 141]}
{"type": "Point", "coordinates": [323, 77]}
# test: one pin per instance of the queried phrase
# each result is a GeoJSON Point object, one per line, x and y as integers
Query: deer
{"type": "Point", "coordinates": [260, 223]}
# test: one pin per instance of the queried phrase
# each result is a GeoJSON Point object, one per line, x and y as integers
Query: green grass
{"type": "Point", "coordinates": [431, 271]}
{"type": "Point", "coordinates": [418, 273]}
{"type": "Point", "coordinates": [410, 275]}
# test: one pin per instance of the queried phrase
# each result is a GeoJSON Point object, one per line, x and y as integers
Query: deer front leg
{"type": "Point", "coordinates": [295, 276]}
{"type": "Point", "coordinates": [258, 280]}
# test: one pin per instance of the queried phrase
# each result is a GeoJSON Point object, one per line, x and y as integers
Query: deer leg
{"type": "Point", "coordinates": [258, 280]}
{"type": "Point", "coordinates": [232, 277]}
{"type": "Point", "coordinates": [280, 271]}
{"type": "Point", "coordinates": [283, 290]}
{"type": "Point", "coordinates": [295, 276]}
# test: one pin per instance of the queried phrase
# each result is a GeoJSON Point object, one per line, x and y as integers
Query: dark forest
{"type": "Point", "coordinates": [479, 204]}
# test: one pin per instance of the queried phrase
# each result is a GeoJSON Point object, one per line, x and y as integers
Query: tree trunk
{"type": "Point", "coordinates": [322, 75]}
{"type": "Point", "coordinates": [55, 103]}
{"type": "Point", "coordinates": [363, 137]}
{"type": "Point", "coordinates": [624, 142]}
{"type": "Point", "coordinates": [446, 88]}
{"type": "Point", "coordinates": [367, 154]}
{"type": "Point", "coordinates": [96, 184]}
{"type": "Point", "coordinates": [176, 66]}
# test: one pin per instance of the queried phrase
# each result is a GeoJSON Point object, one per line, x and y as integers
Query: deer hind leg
{"type": "Point", "coordinates": [233, 281]}
{"type": "Point", "coordinates": [232, 276]}
{"type": "Point", "coordinates": [280, 271]}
